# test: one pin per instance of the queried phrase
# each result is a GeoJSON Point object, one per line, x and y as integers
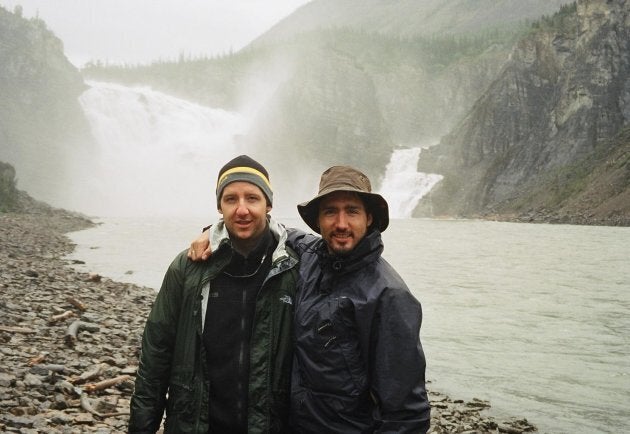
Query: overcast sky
{"type": "Point", "coordinates": [139, 31]}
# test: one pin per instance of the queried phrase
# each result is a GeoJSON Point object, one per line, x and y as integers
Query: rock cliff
{"type": "Point", "coordinates": [41, 122]}
{"type": "Point", "coordinates": [8, 191]}
{"type": "Point", "coordinates": [563, 95]}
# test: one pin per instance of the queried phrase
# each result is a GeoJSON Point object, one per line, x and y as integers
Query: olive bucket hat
{"type": "Point", "coordinates": [346, 178]}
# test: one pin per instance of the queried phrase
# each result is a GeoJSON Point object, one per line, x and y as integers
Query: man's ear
{"type": "Point", "coordinates": [369, 220]}
{"type": "Point", "coordinates": [268, 209]}
{"type": "Point", "coordinates": [220, 211]}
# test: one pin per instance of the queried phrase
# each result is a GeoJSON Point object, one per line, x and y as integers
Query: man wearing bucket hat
{"type": "Point", "coordinates": [217, 346]}
{"type": "Point", "coordinates": [359, 365]}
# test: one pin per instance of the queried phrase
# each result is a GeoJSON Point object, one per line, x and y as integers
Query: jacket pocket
{"type": "Point", "coordinates": [339, 360]}
{"type": "Point", "coordinates": [182, 402]}
{"type": "Point", "coordinates": [348, 340]}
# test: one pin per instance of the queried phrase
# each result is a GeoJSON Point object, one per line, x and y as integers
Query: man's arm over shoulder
{"type": "Point", "coordinates": [398, 364]}
{"type": "Point", "coordinates": [149, 398]}
{"type": "Point", "coordinates": [300, 241]}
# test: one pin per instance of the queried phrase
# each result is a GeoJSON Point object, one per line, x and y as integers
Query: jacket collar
{"type": "Point", "coordinates": [219, 237]}
{"type": "Point", "coordinates": [366, 251]}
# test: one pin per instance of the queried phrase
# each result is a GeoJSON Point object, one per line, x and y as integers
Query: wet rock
{"type": "Point", "coordinates": [94, 277]}
{"type": "Point", "coordinates": [60, 418]}
{"type": "Point", "coordinates": [6, 380]}
{"type": "Point", "coordinates": [60, 402]}
{"type": "Point", "coordinates": [18, 421]}
{"type": "Point", "coordinates": [31, 380]}
{"type": "Point", "coordinates": [457, 416]}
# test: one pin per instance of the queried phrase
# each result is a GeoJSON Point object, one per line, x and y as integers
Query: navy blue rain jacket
{"type": "Point", "coordinates": [359, 366]}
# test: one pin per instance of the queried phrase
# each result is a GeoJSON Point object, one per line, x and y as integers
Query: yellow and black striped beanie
{"type": "Point", "coordinates": [244, 168]}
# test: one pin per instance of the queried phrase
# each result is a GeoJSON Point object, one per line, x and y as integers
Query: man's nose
{"type": "Point", "coordinates": [342, 220]}
{"type": "Point", "coordinates": [242, 208]}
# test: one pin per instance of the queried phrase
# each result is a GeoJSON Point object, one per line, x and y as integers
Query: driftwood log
{"type": "Point", "coordinates": [12, 329]}
{"type": "Point", "coordinates": [92, 373]}
{"type": "Point", "coordinates": [37, 360]}
{"type": "Point", "coordinates": [73, 329]}
{"type": "Point", "coordinates": [54, 368]}
{"type": "Point", "coordinates": [87, 406]}
{"type": "Point", "coordinates": [56, 318]}
{"type": "Point", "coordinates": [92, 387]}
{"type": "Point", "coordinates": [76, 303]}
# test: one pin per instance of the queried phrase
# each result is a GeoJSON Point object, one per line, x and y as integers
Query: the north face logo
{"type": "Point", "coordinates": [286, 299]}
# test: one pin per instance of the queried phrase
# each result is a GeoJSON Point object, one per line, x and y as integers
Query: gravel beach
{"type": "Point", "coordinates": [69, 341]}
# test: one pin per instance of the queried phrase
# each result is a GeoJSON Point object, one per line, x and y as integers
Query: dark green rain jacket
{"type": "Point", "coordinates": [171, 375]}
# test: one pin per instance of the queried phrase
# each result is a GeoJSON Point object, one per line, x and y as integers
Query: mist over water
{"type": "Point", "coordinates": [157, 154]}
{"type": "Point", "coordinates": [160, 155]}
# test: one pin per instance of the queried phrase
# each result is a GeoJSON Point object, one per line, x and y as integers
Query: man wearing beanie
{"type": "Point", "coordinates": [359, 366]}
{"type": "Point", "coordinates": [217, 346]}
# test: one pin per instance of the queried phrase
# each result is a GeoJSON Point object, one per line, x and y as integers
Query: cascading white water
{"type": "Point", "coordinates": [403, 186]}
{"type": "Point", "coordinates": [157, 154]}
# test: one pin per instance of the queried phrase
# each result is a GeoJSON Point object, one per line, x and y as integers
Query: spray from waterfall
{"type": "Point", "coordinates": [157, 154]}
{"type": "Point", "coordinates": [403, 186]}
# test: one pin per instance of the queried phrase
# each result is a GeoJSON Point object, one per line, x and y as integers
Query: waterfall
{"type": "Point", "coordinates": [157, 154]}
{"type": "Point", "coordinates": [160, 155]}
{"type": "Point", "coordinates": [403, 186]}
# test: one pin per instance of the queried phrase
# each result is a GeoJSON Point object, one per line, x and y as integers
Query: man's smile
{"type": "Point", "coordinates": [342, 236]}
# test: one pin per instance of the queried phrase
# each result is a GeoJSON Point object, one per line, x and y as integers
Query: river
{"type": "Point", "coordinates": [532, 317]}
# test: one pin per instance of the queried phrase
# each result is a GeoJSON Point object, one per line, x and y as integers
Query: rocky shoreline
{"type": "Point", "coordinates": [69, 341]}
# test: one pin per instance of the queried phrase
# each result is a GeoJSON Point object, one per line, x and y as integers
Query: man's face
{"type": "Point", "coordinates": [244, 208]}
{"type": "Point", "coordinates": [343, 221]}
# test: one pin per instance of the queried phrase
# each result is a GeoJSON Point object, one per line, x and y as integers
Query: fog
{"type": "Point", "coordinates": [140, 31]}
{"type": "Point", "coordinates": [157, 154]}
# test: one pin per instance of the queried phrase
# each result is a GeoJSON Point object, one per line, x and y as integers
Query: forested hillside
{"type": "Point", "coordinates": [411, 18]}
